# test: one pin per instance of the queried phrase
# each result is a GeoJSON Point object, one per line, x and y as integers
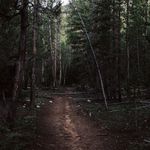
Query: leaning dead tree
{"type": "Point", "coordinates": [101, 83]}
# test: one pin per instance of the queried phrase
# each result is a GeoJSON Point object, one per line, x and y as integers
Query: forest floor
{"type": "Point", "coordinates": [71, 119]}
{"type": "Point", "coordinates": [62, 126]}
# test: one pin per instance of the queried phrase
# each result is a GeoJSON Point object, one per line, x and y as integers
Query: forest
{"type": "Point", "coordinates": [74, 75]}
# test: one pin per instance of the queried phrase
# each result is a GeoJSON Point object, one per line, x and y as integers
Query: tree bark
{"type": "Point", "coordinates": [34, 51]}
{"type": "Point", "coordinates": [21, 58]}
{"type": "Point", "coordinates": [117, 27]}
{"type": "Point", "coordinates": [127, 49]}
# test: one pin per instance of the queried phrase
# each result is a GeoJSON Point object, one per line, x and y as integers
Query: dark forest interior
{"type": "Point", "coordinates": [75, 76]}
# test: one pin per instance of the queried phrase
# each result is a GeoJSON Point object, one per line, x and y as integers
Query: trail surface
{"type": "Point", "coordinates": [62, 127]}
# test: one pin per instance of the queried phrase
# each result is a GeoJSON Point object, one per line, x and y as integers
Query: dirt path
{"type": "Point", "coordinates": [61, 127]}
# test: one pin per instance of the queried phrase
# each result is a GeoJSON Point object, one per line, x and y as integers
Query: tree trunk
{"type": "Point", "coordinates": [55, 54]}
{"type": "Point", "coordinates": [43, 71]}
{"type": "Point", "coordinates": [59, 48]}
{"type": "Point", "coordinates": [55, 66]}
{"type": "Point", "coordinates": [117, 27]}
{"type": "Point", "coordinates": [21, 58]}
{"type": "Point", "coordinates": [50, 48]}
{"type": "Point", "coordinates": [60, 68]}
{"type": "Point", "coordinates": [127, 49]}
{"type": "Point", "coordinates": [34, 51]}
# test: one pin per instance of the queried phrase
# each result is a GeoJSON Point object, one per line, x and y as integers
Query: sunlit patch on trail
{"type": "Point", "coordinates": [70, 128]}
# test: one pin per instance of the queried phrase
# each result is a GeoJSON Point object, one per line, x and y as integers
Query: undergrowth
{"type": "Point", "coordinates": [23, 133]}
{"type": "Point", "coordinates": [129, 122]}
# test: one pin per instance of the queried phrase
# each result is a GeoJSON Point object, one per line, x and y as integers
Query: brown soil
{"type": "Point", "coordinates": [62, 127]}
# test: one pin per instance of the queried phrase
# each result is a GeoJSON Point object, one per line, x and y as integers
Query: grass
{"type": "Point", "coordinates": [129, 122]}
